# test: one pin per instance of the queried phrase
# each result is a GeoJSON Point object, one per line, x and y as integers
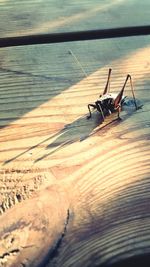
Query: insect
{"type": "Point", "coordinates": [108, 103]}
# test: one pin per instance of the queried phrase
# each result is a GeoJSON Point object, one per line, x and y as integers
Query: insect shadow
{"type": "Point", "coordinates": [82, 128]}
{"type": "Point", "coordinates": [78, 131]}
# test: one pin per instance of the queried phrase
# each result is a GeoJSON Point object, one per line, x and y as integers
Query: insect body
{"type": "Point", "coordinates": [108, 103]}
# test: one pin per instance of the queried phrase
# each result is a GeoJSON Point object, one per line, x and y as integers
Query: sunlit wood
{"type": "Point", "coordinates": [73, 192]}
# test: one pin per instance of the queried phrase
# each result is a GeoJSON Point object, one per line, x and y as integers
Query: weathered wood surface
{"type": "Point", "coordinates": [74, 192]}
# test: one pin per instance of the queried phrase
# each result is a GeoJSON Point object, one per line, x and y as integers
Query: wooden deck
{"type": "Point", "coordinates": [73, 192]}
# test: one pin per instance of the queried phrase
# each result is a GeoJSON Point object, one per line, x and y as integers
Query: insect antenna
{"type": "Point", "coordinates": [78, 62]}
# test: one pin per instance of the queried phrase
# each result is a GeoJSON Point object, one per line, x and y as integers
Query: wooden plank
{"type": "Point", "coordinates": [95, 165]}
{"type": "Point", "coordinates": [74, 192]}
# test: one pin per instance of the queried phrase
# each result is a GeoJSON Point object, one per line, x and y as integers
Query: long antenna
{"type": "Point", "coordinates": [78, 62]}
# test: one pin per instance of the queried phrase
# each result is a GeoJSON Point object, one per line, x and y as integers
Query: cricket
{"type": "Point", "coordinates": [108, 103]}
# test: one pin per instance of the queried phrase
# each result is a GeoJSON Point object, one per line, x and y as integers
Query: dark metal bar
{"type": "Point", "coordinates": [74, 36]}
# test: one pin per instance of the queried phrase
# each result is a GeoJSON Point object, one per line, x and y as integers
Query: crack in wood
{"type": "Point", "coordinates": [7, 254]}
{"type": "Point", "coordinates": [55, 251]}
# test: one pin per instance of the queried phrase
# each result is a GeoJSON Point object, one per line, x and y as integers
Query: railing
{"type": "Point", "coordinates": [74, 36]}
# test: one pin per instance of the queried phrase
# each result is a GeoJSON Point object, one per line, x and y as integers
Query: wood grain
{"type": "Point", "coordinates": [73, 192]}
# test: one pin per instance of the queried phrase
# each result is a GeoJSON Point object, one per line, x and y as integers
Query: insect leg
{"type": "Point", "coordinates": [118, 99]}
{"type": "Point", "coordinates": [119, 96]}
{"type": "Point", "coordinates": [118, 109]}
{"type": "Point", "coordinates": [93, 106]}
{"type": "Point", "coordinates": [99, 108]}
{"type": "Point", "coordinates": [108, 82]}
{"type": "Point", "coordinates": [131, 83]}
